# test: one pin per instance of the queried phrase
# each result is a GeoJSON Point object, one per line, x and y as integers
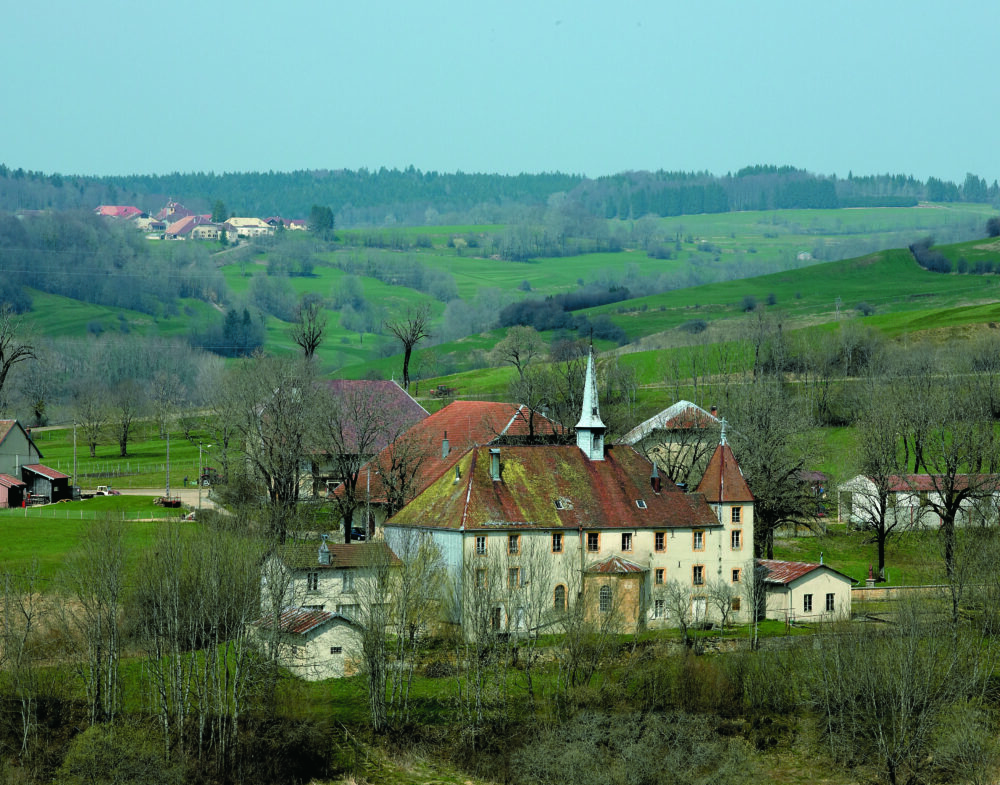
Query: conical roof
{"type": "Point", "coordinates": [723, 481]}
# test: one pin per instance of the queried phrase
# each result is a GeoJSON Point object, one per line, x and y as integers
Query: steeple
{"type": "Point", "coordinates": [590, 429]}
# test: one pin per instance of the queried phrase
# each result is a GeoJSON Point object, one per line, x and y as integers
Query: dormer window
{"type": "Point", "coordinates": [559, 504]}
{"type": "Point", "coordinates": [640, 504]}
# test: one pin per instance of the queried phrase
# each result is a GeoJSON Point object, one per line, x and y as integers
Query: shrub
{"type": "Point", "coordinates": [993, 226]}
{"type": "Point", "coordinates": [866, 309]}
{"type": "Point", "coordinates": [694, 326]}
{"type": "Point", "coordinates": [749, 303]}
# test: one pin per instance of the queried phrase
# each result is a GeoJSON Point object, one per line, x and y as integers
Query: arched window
{"type": "Point", "coordinates": [559, 600]}
{"type": "Point", "coordinates": [605, 599]}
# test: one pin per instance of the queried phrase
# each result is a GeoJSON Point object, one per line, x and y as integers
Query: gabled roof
{"type": "Point", "coordinates": [118, 210]}
{"type": "Point", "coordinates": [45, 471]}
{"type": "Point", "coordinates": [305, 555]}
{"type": "Point", "coordinates": [783, 573]}
{"type": "Point", "coordinates": [590, 494]}
{"type": "Point", "coordinates": [299, 621]}
{"type": "Point", "coordinates": [6, 426]}
{"type": "Point", "coordinates": [616, 565]}
{"type": "Point", "coordinates": [682, 415]}
{"type": "Point", "coordinates": [467, 424]}
{"type": "Point", "coordinates": [401, 410]}
{"type": "Point", "coordinates": [723, 481]}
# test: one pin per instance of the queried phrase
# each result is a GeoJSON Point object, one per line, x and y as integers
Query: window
{"type": "Point", "coordinates": [807, 603]}
{"type": "Point", "coordinates": [312, 607]}
{"type": "Point", "coordinates": [735, 604]}
{"type": "Point", "coordinates": [605, 599]}
{"type": "Point", "coordinates": [480, 578]}
{"type": "Point", "coordinates": [559, 598]}
{"type": "Point", "coordinates": [336, 650]}
{"type": "Point", "coordinates": [659, 576]}
{"type": "Point", "coordinates": [737, 539]}
{"type": "Point", "coordinates": [348, 582]}
{"type": "Point", "coordinates": [698, 539]}
{"type": "Point", "coordinates": [481, 545]}
{"type": "Point", "coordinates": [593, 542]}
{"type": "Point", "coordinates": [660, 541]}
{"type": "Point", "coordinates": [736, 514]}
{"type": "Point", "coordinates": [659, 609]}
{"type": "Point", "coordinates": [513, 543]}
{"type": "Point", "coordinates": [640, 503]}
{"type": "Point", "coordinates": [513, 577]}
{"type": "Point", "coordinates": [350, 611]}
{"type": "Point", "coordinates": [626, 541]}
{"type": "Point", "coordinates": [829, 603]}
{"type": "Point", "coordinates": [736, 574]}
{"type": "Point", "coordinates": [557, 542]}
{"type": "Point", "coordinates": [312, 581]}
{"type": "Point", "coordinates": [698, 575]}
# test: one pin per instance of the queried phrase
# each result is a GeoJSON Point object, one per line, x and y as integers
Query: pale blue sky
{"type": "Point", "coordinates": [582, 87]}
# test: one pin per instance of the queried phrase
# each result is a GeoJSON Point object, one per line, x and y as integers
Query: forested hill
{"type": "Point", "coordinates": [412, 197]}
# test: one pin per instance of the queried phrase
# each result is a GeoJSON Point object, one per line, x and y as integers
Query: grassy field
{"type": "Point", "coordinates": [47, 535]}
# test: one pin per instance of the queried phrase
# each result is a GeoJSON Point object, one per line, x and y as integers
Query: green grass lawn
{"type": "Point", "coordinates": [48, 534]}
{"type": "Point", "coordinates": [912, 558]}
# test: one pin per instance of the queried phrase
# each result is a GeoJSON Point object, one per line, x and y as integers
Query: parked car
{"type": "Point", "coordinates": [358, 534]}
{"type": "Point", "coordinates": [107, 490]}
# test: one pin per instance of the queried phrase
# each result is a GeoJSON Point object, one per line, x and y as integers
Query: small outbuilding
{"type": "Point", "coordinates": [12, 491]}
{"type": "Point", "coordinates": [314, 644]}
{"type": "Point", "coordinates": [804, 591]}
{"type": "Point", "coordinates": [46, 483]}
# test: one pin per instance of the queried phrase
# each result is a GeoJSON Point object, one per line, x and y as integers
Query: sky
{"type": "Point", "coordinates": [593, 88]}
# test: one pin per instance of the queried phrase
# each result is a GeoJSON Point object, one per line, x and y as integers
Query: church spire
{"type": "Point", "coordinates": [590, 429]}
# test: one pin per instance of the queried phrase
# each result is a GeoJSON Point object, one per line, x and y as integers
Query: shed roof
{"type": "Point", "coordinates": [45, 471]}
{"type": "Point", "coordinates": [10, 482]}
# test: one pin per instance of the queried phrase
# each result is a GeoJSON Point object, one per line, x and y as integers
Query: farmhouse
{"type": "Point", "coordinates": [912, 498]}
{"type": "Point", "coordinates": [21, 472]}
{"type": "Point", "coordinates": [312, 644]}
{"type": "Point", "coordinates": [527, 531]}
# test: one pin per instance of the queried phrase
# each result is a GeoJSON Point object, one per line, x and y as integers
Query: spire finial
{"type": "Point", "coordinates": [722, 437]}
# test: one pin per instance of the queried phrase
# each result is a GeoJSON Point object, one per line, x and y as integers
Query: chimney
{"type": "Point", "coordinates": [458, 474]}
{"type": "Point", "coordinates": [714, 411]}
{"type": "Point", "coordinates": [445, 447]}
{"type": "Point", "coordinates": [654, 478]}
{"type": "Point", "coordinates": [495, 464]}
{"type": "Point", "coordinates": [324, 552]}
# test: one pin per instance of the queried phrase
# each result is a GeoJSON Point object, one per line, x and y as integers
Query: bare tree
{"type": "Point", "coordinates": [519, 347]}
{"type": "Point", "coordinates": [351, 427]}
{"type": "Point", "coordinates": [410, 329]}
{"type": "Point", "coordinates": [721, 594]}
{"type": "Point", "coordinates": [91, 412]}
{"type": "Point", "coordinates": [959, 451]}
{"type": "Point", "coordinates": [676, 598]}
{"type": "Point", "coordinates": [884, 693]}
{"type": "Point", "coordinates": [754, 589]}
{"type": "Point", "coordinates": [309, 327]}
{"type": "Point", "coordinates": [94, 587]}
{"type": "Point", "coordinates": [879, 460]}
{"type": "Point", "coordinates": [271, 404]}
{"type": "Point", "coordinates": [166, 395]}
{"type": "Point", "coordinates": [13, 348]}
{"type": "Point", "coordinates": [397, 467]}
{"type": "Point", "coordinates": [771, 440]}
{"type": "Point", "coordinates": [128, 400]}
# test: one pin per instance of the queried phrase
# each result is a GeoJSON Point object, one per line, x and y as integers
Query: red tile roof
{"type": "Point", "coordinates": [466, 424]}
{"type": "Point", "coordinates": [785, 572]}
{"type": "Point", "coordinates": [10, 482]}
{"type": "Point", "coordinates": [299, 621]}
{"type": "Point", "coordinates": [682, 415]}
{"type": "Point", "coordinates": [591, 494]}
{"type": "Point", "coordinates": [616, 565]}
{"type": "Point", "coordinates": [723, 481]}
{"type": "Point", "coordinates": [118, 210]}
{"type": "Point", "coordinates": [45, 471]}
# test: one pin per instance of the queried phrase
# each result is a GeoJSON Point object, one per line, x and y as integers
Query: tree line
{"type": "Point", "coordinates": [413, 197]}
